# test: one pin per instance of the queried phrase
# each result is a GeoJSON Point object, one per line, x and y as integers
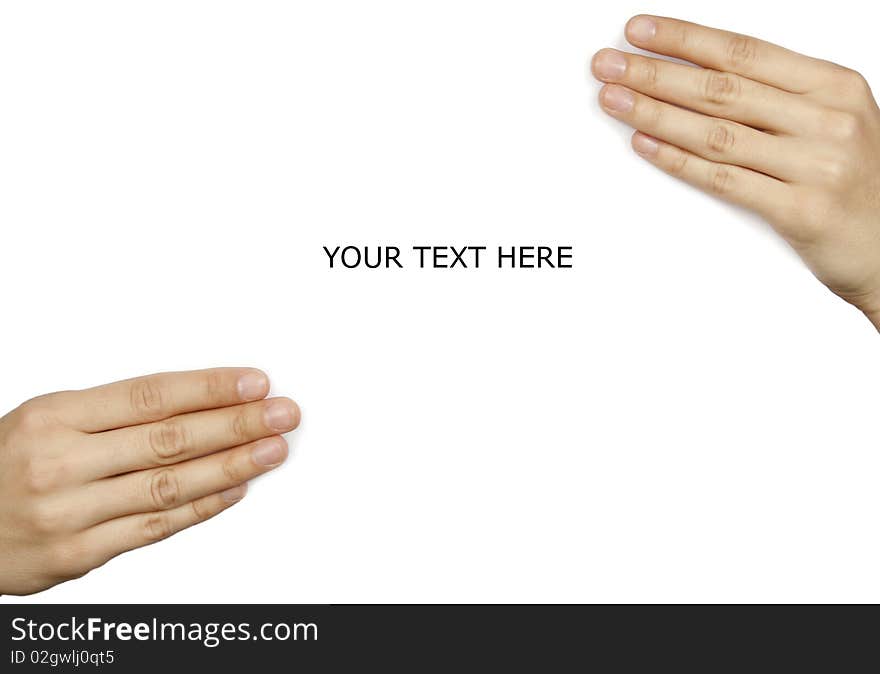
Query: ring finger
{"type": "Point", "coordinates": [165, 488]}
{"type": "Point", "coordinates": [714, 139]}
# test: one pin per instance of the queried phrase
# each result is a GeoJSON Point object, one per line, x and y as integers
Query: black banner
{"type": "Point", "coordinates": [132, 638]}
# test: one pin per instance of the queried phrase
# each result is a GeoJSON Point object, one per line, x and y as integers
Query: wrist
{"type": "Point", "coordinates": [869, 304]}
{"type": "Point", "coordinates": [873, 316]}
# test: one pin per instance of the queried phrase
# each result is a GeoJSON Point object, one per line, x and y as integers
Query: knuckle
{"type": "Point", "coordinates": [67, 559]}
{"type": "Point", "coordinates": [42, 475]}
{"type": "Point", "coordinates": [843, 126]}
{"type": "Point", "coordinates": [231, 471]}
{"type": "Point", "coordinates": [46, 518]}
{"type": "Point", "coordinates": [239, 425]}
{"type": "Point", "coordinates": [147, 398]}
{"type": "Point", "coordinates": [720, 181]}
{"type": "Point", "coordinates": [683, 38]}
{"type": "Point", "coordinates": [199, 511]}
{"type": "Point", "coordinates": [720, 88]}
{"type": "Point", "coordinates": [678, 165]}
{"type": "Point", "coordinates": [168, 440]}
{"type": "Point", "coordinates": [156, 528]}
{"type": "Point", "coordinates": [33, 415]}
{"type": "Point", "coordinates": [720, 139]}
{"type": "Point", "coordinates": [650, 73]}
{"type": "Point", "coordinates": [742, 51]}
{"type": "Point", "coordinates": [213, 384]}
{"type": "Point", "coordinates": [836, 172]}
{"type": "Point", "coordinates": [164, 489]}
{"type": "Point", "coordinates": [854, 82]}
{"type": "Point", "coordinates": [653, 113]}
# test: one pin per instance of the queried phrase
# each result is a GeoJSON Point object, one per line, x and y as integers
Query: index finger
{"type": "Point", "coordinates": [728, 52]}
{"type": "Point", "coordinates": [158, 396]}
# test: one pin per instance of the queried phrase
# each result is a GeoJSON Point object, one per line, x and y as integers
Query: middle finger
{"type": "Point", "coordinates": [188, 436]}
{"type": "Point", "coordinates": [715, 93]}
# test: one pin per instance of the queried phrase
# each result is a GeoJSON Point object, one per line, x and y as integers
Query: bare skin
{"type": "Point", "coordinates": [793, 138]}
{"type": "Point", "coordinates": [88, 475]}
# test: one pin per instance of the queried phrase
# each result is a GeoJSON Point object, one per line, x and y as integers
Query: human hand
{"type": "Point", "coordinates": [794, 138]}
{"type": "Point", "coordinates": [87, 475]}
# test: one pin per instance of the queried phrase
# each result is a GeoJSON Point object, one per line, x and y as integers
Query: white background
{"type": "Point", "coordinates": [686, 416]}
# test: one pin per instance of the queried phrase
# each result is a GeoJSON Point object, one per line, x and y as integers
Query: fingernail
{"type": "Point", "coordinates": [641, 29]}
{"type": "Point", "coordinates": [617, 99]}
{"type": "Point", "coordinates": [235, 494]}
{"type": "Point", "coordinates": [645, 145]}
{"type": "Point", "coordinates": [280, 416]}
{"type": "Point", "coordinates": [269, 452]}
{"type": "Point", "coordinates": [253, 386]}
{"type": "Point", "coordinates": [609, 65]}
